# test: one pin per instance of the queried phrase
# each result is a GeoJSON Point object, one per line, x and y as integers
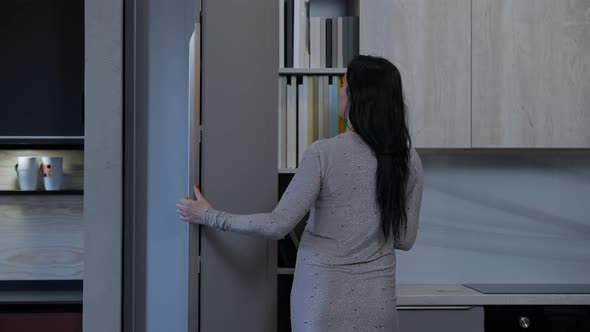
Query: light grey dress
{"type": "Point", "coordinates": [345, 271]}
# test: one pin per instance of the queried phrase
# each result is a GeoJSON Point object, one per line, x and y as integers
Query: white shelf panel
{"type": "Point", "coordinates": [312, 71]}
{"type": "Point", "coordinates": [287, 170]}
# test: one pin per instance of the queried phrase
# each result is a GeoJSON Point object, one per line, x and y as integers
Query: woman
{"type": "Point", "coordinates": [364, 188]}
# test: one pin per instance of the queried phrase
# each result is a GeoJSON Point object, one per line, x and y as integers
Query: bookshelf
{"type": "Point", "coordinates": [317, 39]}
{"type": "Point", "coordinates": [314, 50]}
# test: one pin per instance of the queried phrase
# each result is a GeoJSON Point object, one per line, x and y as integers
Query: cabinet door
{"type": "Point", "coordinates": [531, 73]}
{"type": "Point", "coordinates": [459, 319]}
{"type": "Point", "coordinates": [240, 53]}
{"type": "Point", "coordinates": [430, 42]}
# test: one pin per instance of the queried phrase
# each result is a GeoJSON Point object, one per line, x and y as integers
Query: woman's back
{"type": "Point", "coordinates": [345, 272]}
{"type": "Point", "coordinates": [344, 226]}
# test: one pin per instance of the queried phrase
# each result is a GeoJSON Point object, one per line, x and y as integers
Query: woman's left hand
{"type": "Point", "coordinates": [192, 210]}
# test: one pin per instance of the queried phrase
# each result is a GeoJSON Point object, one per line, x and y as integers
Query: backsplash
{"type": "Point", "coordinates": [73, 178]}
{"type": "Point", "coordinates": [502, 217]}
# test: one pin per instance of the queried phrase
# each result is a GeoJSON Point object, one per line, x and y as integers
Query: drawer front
{"type": "Point", "coordinates": [427, 319]}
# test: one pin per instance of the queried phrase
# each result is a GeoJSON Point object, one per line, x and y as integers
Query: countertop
{"type": "Point", "coordinates": [407, 296]}
{"type": "Point", "coordinates": [458, 295]}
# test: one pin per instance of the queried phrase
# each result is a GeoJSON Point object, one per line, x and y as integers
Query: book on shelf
{"type": "Point", "coordinates": [329, 43]}
{"type": "Point", "coordinates": [333, 106]}
{"type": "Point", "coordinates": [323, 43]}
{"type": "Point", "coordinates": [282, 122]}
{"type": "Point", "coordinates": [288, 40]}
{"type": "Point", "coordinates": [300, 34]}
{"type": "Point", "coordinates": [292, 123]}
{"type": "Point", "coordinates": [305, 35]}
{"type": "Point", "coordinates": [297, 33]}
{"type": "Point", "coordinates": [320, 107]}
{"type": "Point", "coordinates": [281, 33]}
{"type": "Point", "coordinates": [308, 111]}
{"type": "Point", "coordinates": [356, 36]}
{"type": "Point", "coordinates": [340, 43]}
{"type": "Point", "coordinates": [302, 113]}
{"type": "Point", "coordinates": [315, 42]}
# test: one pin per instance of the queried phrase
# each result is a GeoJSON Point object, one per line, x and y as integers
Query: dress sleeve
{"type": "Point", "coordinates": [413, 203]}
{"type": "Point", "coordinates": [294, 204]}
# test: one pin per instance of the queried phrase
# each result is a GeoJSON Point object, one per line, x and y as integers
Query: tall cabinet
{"type": "Point", "coordinates": [430, 42]}
{"type": "Point", "coordinates": [531, 74]}
{"type": "Point", "coordinates": [238, 161]}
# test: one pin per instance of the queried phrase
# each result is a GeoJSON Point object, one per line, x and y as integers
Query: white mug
{"type": "Point", "coordinates": [52, 169]}
{"type": "Point", "coordinates": [27, 171]}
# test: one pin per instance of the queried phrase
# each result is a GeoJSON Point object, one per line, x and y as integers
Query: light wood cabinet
{"type": "Point", "coordinates": [531, 73]}
{"type": "Point", "coordinates": [430, 42]}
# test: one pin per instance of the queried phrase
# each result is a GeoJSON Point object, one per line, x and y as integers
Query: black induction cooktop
{"type": "Point", "coordinates": [531, 288]}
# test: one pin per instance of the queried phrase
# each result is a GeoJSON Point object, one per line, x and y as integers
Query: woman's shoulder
{"type": "Point", "coordinates": [329, 143]}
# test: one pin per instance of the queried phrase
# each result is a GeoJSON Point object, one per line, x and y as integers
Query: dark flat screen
{"type": "Point", "coordinates": [42, 68]}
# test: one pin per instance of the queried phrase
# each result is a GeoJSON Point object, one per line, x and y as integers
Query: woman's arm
{"type": "Point", "coordinates": [294, 204]}
{"type": "Point", "coordinates": [407, 236]}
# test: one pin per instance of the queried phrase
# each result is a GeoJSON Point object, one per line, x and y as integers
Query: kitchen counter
{"type": "Point", "coordinates": [459, 295]}
{"type": "Point", "coordinates": [407, 295]}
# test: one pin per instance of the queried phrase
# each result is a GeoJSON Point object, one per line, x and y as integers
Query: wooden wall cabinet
{"type": "Point", "coordinates": [531, 74]}
{"type": "Point", "coordinates": [488, 73]}
{"type": "Point", "coordinates": [430, 42]}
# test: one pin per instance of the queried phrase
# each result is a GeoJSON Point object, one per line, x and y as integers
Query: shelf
{"type": "Point", "coordinates": [312, 71]}
{"type": "Point", "coordinates": [286, 270]}
{"type": "Point", "coordinates": [41, 143]}
{"type": "Point", "coordinates": [41, 192]}
{"type": "Point", "coordinates": [48, 292]}
{"type": "Point", "coordinates": [287, 170]}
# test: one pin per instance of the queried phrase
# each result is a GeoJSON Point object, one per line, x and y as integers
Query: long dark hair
{"type": "Point", "coordinates": [377, 113]}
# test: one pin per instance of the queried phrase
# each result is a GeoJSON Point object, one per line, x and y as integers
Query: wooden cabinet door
{"type": "Point", "coordinates": [430, 42]}
{"type": "Point", "coordinates": [531, 73]}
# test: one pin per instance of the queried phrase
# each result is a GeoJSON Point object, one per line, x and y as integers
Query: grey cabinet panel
{"type": "Point", "coordinates": [103, 165]}
{"type": "Point", "coordinates": [441, 319]}
{"type": "Point", "coordinates": [239, 160]}
{"type": "Point", "coordinates": [531, 69]}
{"type": "Point", "coordinates": [430, 42]}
